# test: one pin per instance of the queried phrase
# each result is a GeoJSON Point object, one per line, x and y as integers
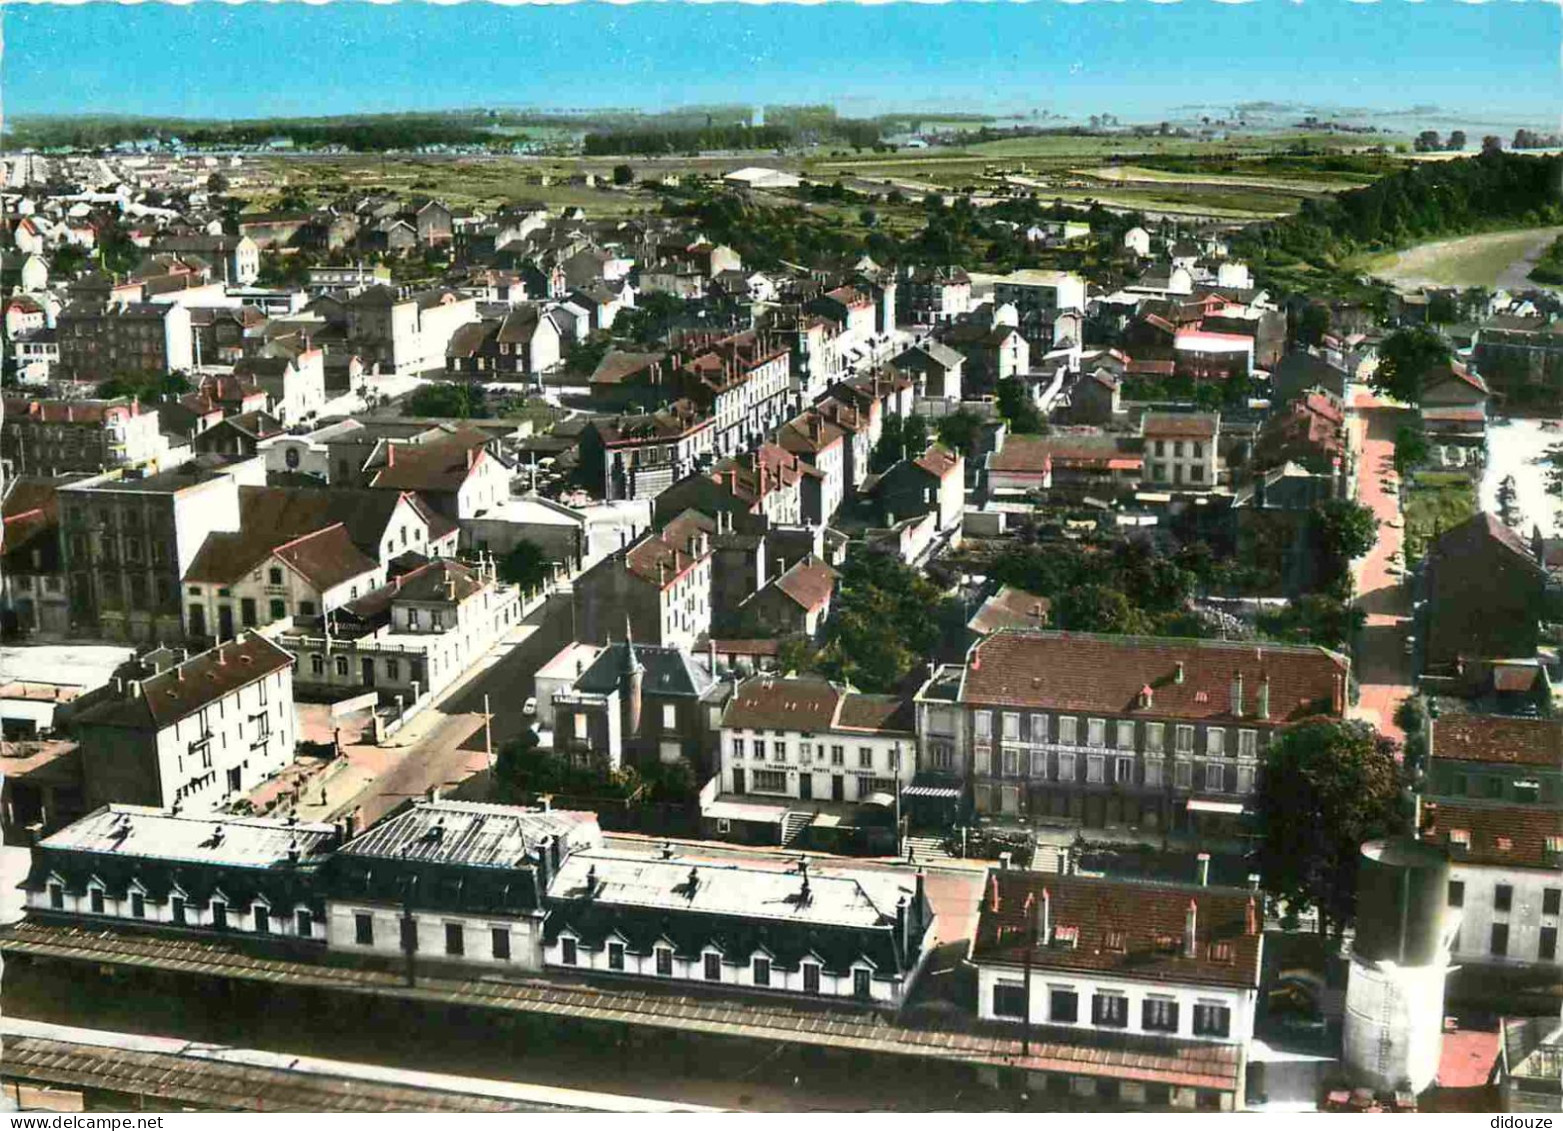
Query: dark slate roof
{"type": "Point", "coordinates": [240, 858]}
{"type": "Point", "coordinates": [740, 911]}
{"type": "Point", "coordinates": [667, 671]}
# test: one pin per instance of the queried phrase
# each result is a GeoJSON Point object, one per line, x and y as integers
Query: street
{"type": "Point", "coordinates": [1382, 665]}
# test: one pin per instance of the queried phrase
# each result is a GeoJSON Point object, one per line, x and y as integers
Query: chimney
{"type": "Point", "coordinates": [1251, 918]}
{"type": "Point", "coordinates": [350, 825]}
{"type": "Point", "coordinates": [902, 925]}
{"type": "Point", "coordinates": [293, 850]}
{"type": "Point", "coordinates": [1190, 929]}
{"type": "Point", "coordinates": [1204, 869]}
{"type": "Point", "coordinates": [223, 659]}
{"type": "Point", "coordinates": [1338, 698]}
{"type": "Point", "coordinates": [993, 892]}
{"type": "Point", "coordinates": [591, 880]}
{"type": "Point", "coordinates": [1177, 675]}
{"type": "Point", "coordinates": [135, 689]}
{"type": "Point", "coordinates": [1262, 707]}
{"type": "Point", "coordinates": [920, 895]}
{"type": "Point", "coordinates": [542, 870]}
{"type": "Point", "coordinates": [390, 455]}
{"type": "Point", "coordinates": [1237, 695]}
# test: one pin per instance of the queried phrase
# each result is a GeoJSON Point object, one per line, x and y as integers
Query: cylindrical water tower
{"type": "Point", "coordinates": [1395, 990]}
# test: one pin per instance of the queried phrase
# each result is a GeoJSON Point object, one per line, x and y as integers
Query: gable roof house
{"type": "Point", "coordinates": [1486, 594]}
{"type": "Point", "coordinates": [659, 588]}
{"type": "Point", "coordinates": [797, 603]}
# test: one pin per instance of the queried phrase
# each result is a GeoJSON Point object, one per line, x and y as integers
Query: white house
{"type": "Point", "coordinates": [1173, 961]}
{"type": "Point", "coordinates": [1505, 880]}
{"type": "Point", "coordinates": [805, 738]}
{"type": "Point", "coordinates": [197, 733]}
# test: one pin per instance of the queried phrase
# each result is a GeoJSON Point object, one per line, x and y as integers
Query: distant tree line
{"type": "Point", "coordinates": [655, 142]}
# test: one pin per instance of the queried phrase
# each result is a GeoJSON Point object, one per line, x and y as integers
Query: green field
{"type": "Point", "coordinates": [1469, 261]}
{"type": "Point", "coordinates": [1435, 502]}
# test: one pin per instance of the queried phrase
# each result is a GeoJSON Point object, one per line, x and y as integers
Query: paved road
{"type": "Point", "coordinates": [1516, 276]}
{"type": "Point", "coordinates": [1383, 668]}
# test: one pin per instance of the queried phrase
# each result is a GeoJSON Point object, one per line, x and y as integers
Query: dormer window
{"type": "Point", "coordinates": [1221, 952]}
{"type": "Point", "coordinates": [1116, 941]}
{"type": "Point", "coordinates": [1067, 936]}
{"type": "Point", "coordinates": [56, 897]}
{"type": "Point", "coordinates": [1460, 838]}
{"type": "Point", "coordinates": [95, 899]}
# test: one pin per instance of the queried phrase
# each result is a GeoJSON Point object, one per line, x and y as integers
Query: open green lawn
{"type": "Point", "coordinates": [1469, 261]}
{"type": "Point", "coordinates": [1435, 501]}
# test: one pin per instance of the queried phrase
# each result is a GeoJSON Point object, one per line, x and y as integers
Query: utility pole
{"type": "Point", "coordinates": [488, 733]}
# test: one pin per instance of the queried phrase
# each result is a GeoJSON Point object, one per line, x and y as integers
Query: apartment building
{"type": "Point", "coordinates": [53, 436]}
{"type": "Point", "coordinates": [196, 733]}
{"type": "Point", "coordinates": [1180, 450]}
{"type": "Point", "coordinates": [640, 456]}
{"type": "Point", "coordinates": [742, 381]}
{"type": "Point", "coordinates": [658, 589]}
{"type": "Point", "coordinates": [1154, 733]}
{"type": "Point", "coordinates": [406, 334]}
{"type": "Point", "coordinates": [96, 342]}
{"type": "Point", "coordinates": [1495, 758]}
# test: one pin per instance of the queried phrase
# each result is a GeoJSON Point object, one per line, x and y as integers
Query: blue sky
{"type": "Point", "coordinates": [1131, 57]}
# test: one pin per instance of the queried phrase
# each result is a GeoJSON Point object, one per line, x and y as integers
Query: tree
{"type": "Point", "coordinates": [1347, 530]}
{"type": "Point", "coordinates": [519, 768]}
{"type": "Point", "coordinates": [960, 432]}
{"type": "Point", "coordinates": [1492, 143]}
{"type": "Point", "coordinates": [1411, 447]}
{"type": "Point", "coordinates": [1508, 500]}
{"type": "Point", "coordinates": [1096, 608]}
{"type": "Point", "coordinates": [216, 184]}
{"type": "Point", "coordinates": [1457, 141]}
{"type": "Point", "coordinates": [526, 565]}
{"type": "Point", "coordinates": [1313, 323]}
{"type": "Point", "coordinates": [445, 398]}
{"type": "Point", "coordinates": [868, 217]}
{"type": "Point", "coordinates": [1327, 787]}
{"type": "Point", "coordinates": [884, 623]}
{"type": "Point", "coordinates": [1017, 408]}
{"type": "Point", "coordinates": [1428, 141]}
{"type": "Point", "coordinates": [1405, 359]}
{"type": "Point", "coordinates": [623, 175]}
{"type": "Point", "coordinates": [145, 386]}
{"type": "Point", "coordinates": [1442, 309]}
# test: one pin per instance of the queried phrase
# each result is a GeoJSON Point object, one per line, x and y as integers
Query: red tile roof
{"type": "Point", "coordinates": [1038, 454]}
{"type": "Point", "coordinates": [939, 461]}
{"type": "Point", "coordinates": [326, 558]}
{"type": "Point", "coordinates": [663, 557]}
{"type": "Point", "coordinates": [1198, 425]}
{"type": "Point", "coordinates": [182, 690]}
{"type": "Point", "coordinates": [1498, 738]}
{"type": "Point", "coordinates": [1501, 836]}
{"type": "Point", "coordinates": [809, 703]}
{"type": "Point", "coordinates": [1087, 672]}
{"type": "Point", "coordinates": [809, 583]}
{"type": "Point", "coordinates": [1137, 931]}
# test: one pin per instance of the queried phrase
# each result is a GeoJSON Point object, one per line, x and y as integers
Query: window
{"type": "Point", "coordinates": [1153, 778]}
{"type": "Point", "coordinates": [1183, 775]}
{"type": "Point", "coordinates": [669, 717]}
{"type": "Point", "coordinates": [1215, 777]}
{"type": "Point", "coordinates": [412, 618]}
{"type": "Point", "coordinates": [306, 608]}
{"type": "Point", "coordinates": [278, 608]}
{"type": "Point", "coordinates": [1096, 732]}
{"type": "Point", "coordinates": [1245, 779]}
{"type": "Point", "coordinates": [1125, 736]}
{"type": "Point", "coordinates": [1011, 762]}
{"type": "Point", "coordinates": [1550, 898]}
{"type": "Point", "coordinates": [615, 956]}
{"type": "Point", "coordinates": [770, 781]}
{"type": "Point", "coordinates": [341, 665]}
{"type": "Point", "coordinates": [1094, 768]}
{"type": "Point", "coordinates": [1456, 893]}
{"type": "Point", "coordinates": [1153, 736]}
{"type": "Point", "coordinates": [1063, 1006]}
{"type": "Point", "coordinates": [1159, 1015]}
{"type": "Point", "coordinates": [1493, 786]}
{"type": "Point", "coordinates": [1502, 897]}
{"type": "Point", "coordinates": [1038, 728]}
{"type": "Point", "coordinates": [1111, 1010]}
{"type": "Point", "coordinates": [219, 915]}
{"type": "Point", "coordinates": [738, 747]}
{"type": "Point", "coordinates": [1123, 774]}
{"type": "Point", "coordinates": [1011, 726]}
{"type": "Point", "coordinates": [1009, 999]}
{"type": "Point", "coordinates": [499, 940]}
{"type": "Point", "coordinates": [838, 755]}
{"type": "Point", "coordinates": [95, 900]}
{"type": "Point", "coordinates": [138, 905]}
{"type": "Point", "coordinates": [567, 953]}
{"type": "Point", "coordinates": [393, 669]}
{"type": "Point", "coordinates": [1500, 940]}
{"type": "Point", "coordinates": [438, 620]}
{"type": "Point", "coordinates": [455, 939]}
{"type": "Point", "coordinates": [811, 977]}
{"type": "Point", "coordinates": [1066, 767]}
{"type": "Point", "coordinates": [274, 576]}
{"type": "Point", "coordinates": [713, 967]}
{"type": "Point", "coordinates": [1215, 741]}
{"type": "Point", "coordinates": [1212, 1020]}
{"type": "Point", "coordinates": [317, 664]}
{"type": "Point", "coordinates": [176, 908]}
{"type": "Point", "coordinates": [363, 928]}
{"type": "Point", "coordinates": [664, 961]}
{"type": "Point", "coordinates": [304, 923]}
{"type": "Point", "coordinates": [262, 919]}
{"type": "Point", "coordinates": [1066, 729]}
{"type": "Point", "coordinates": [1248, 744]}
{"type": "Point", "coordinates": [805, 752]}
{"type": "Point", "coordinates": [862, 983]}
{"type": "Point", "coordinates": [1185, 736]}
{"type": "Point", "coordinates": [759, 750]}
{"type": "Point", "coordinates": [983, 723]}
{"type": "Point", "coordinates": [1547, 945]}
{"type": "Point", "coordinates": [762, 971]}
{"type": "Point", "coordinates": [56, 897]}
{"type": "Point", "coordinates": [865, 757]}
